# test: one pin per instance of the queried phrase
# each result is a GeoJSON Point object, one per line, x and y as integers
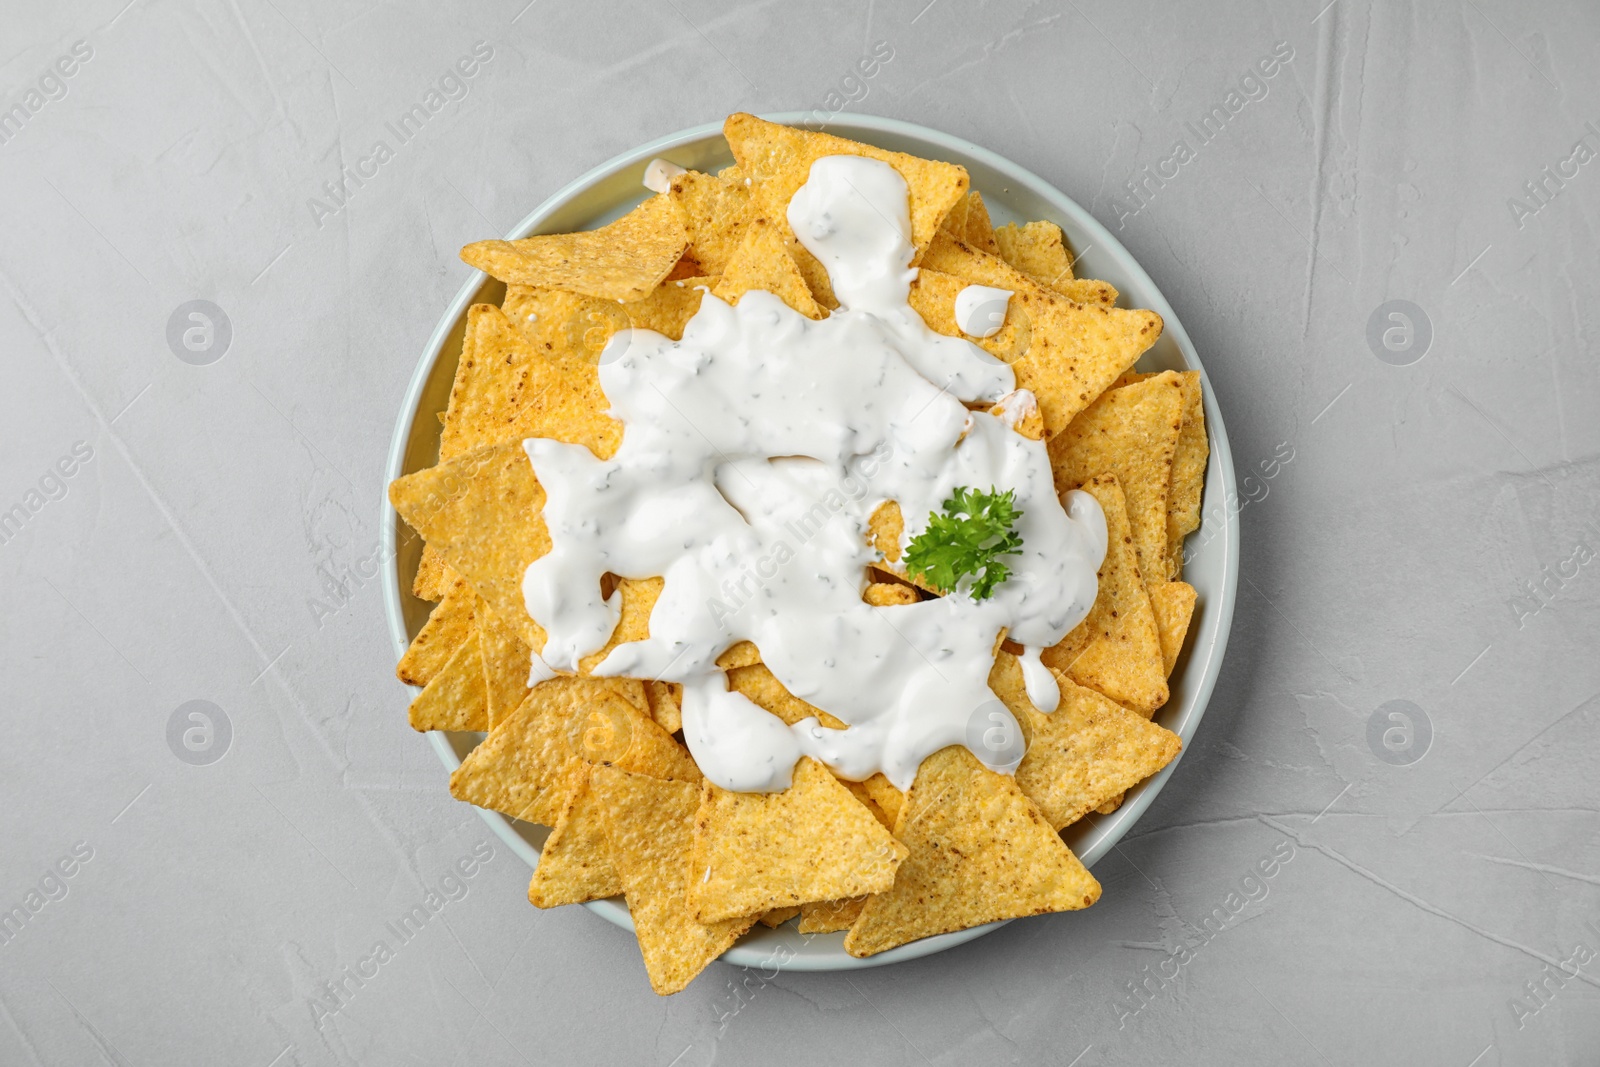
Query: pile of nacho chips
{"type": "Point", "coordinates": [602, 761]}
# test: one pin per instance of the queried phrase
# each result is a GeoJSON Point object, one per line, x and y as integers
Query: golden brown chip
{"type": "Point", "coordinates": [579, 326]}
{"type": "Point", "coordinates": [813, 841]}
{"type": "Point", "coordinates": [715, 212]}
{"type": "Point", "coordinates": [979, 230]}
{"type": "Point", "coordinates": [431, 580]}
{"type": "Point", "coordinates": [1066, 353]}
{"type": "Point", "coordinates": [953, 255]}
{"type": "Point", "coordinates": [885, 795]}
{"type": "Point", "coordinates": [624, 260]}
{"type": "Point", "coordinates": [762, 688]}
{"type": "Point", "coordinates": [455, 698]}
{"type": "Point", "coordinates": [447, 627]}
{"type": "Point", "coordinates": [1086, 752]}
{"type": "Point", "coordinates": [954, 222]}
{"type": "Point", "coordinates": [979, 851]}
{"type": "Point", "coordinates": [887, 525]}
{"type": "Point", "coordinates": [889, 594]}
{"type": "Point", "coordinates": [524, 768]}
{"type": "Point", "coordinates": [763, 262]}
{"type": "Point", "coordinates": [575, 864]}
{"type": "Point", "coordinates": [666, 704]}
{"type": "Point", "coordinates": [1038, 250]}
{"type": "Point", "coordinates": [484, 511]}
{"type": "Point", "coordinates": [1131, 432]}
{"type": "Point", "coordinates": [1188, 472]}
{"type": "Point", "coordinates": [740, 654]}
{"type": "Point", "coordinates": [828, 916]}
{"type": "Point", "coordinates": [1173, 604]}
{"type": "Point", "coordinates": [1116, 649]}
{"type": "Point", "coordinates": [778, 161]}
{"type": "Point", "coordinates": [505, 665]}
{"type": "Point", "coordinates": [650, 828]}
{"type": "Point", "coordinates": [778, 916]}
{"type": "Point", "coordinates": [1111, 805]}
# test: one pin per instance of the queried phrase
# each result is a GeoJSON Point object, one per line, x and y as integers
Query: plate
{"type": "Point", "coordinates": [1011, 194]}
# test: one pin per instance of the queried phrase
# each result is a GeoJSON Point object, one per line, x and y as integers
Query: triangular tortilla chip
{"type": "Point", "coordinates": [524, 768]}
{"type": "Point", "coordinates": [1039, 250]}
{"type": "Point", "coordinates": [763, 262]}
{"type": "Point", "coordinates": [666, 704]}
{"type": "Point", "coordinates": [1116, 648]}
{"type": "Point", "coordinates": [455, 698]}
{"type": "Point", "coordinates": [739, 654]}
{"type": "Point", "coordinates": [580, 326]}
{"type": "Point", "coordinates": [954, 222]}
{"type": "Point", "coordinates": [1131, 432]}
{"type": "Point", "coordinates": [829, 916]}
{"type": "Point", "coordinates": [777, 160]}
{"type": "Point", "coordinates": [575, 864]}
{"type": "Point", "coordinates": [506, 661]}
{"type": "Point", "coordinates": [447, 627]}
{"type": "Point", "coordinates": [1188, 472]}
{"type": "Point", "coordinates": [813, 841]}
{"type": "Point", "coordinates": [432, 579]}
{"type": "Point", "coordinates": [778, 916]}
{"type": "Point", "coordinates": [1066, 353]}
{"type": "Point", "coordinates": [979, 230]}
{"type": "Point", "coordinates": [1173, 604]}
{"type": "Point", "coordinates": [650, 827]}
{"type": "Point", "coordinates": [979, 851]}
{"type": "Point", "coordinates": [624, 260]}
{"type": "Point", "coordinates": [1086, 752]}
{"type": "Point", "coordinates": [715, 211]}
{"type": "Point", "coordinates": [484, 512]}
{"type": "Point", "coordinates": [762, 688]}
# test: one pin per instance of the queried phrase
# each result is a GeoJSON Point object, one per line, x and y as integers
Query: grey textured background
{"type": "Point", "coordinates": [1386, 561]}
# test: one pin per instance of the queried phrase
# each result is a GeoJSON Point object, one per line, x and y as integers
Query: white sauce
{"type": "Point", "coordinates": [981, 310]}
{"type": "Point", "coordinates": [539, 670]}
{"type": "Point", "coordinates": [658, 174]}
{"type": "Point", "coordinates": [1043, 691]}
{"type": "Point", "coordinates": [755, 450]}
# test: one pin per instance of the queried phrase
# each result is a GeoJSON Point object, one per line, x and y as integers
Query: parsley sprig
{"type": "Point", "coordinates": [968, 538]}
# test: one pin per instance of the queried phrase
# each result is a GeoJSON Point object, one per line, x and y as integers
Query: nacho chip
{"type": "Point", "coordinates": [1088, 751]}
{"type": "Point", "coordinates": [887, 526]}
{"type": "Point", "coordinates": [580, 326]}
{"type": "Point", "coordinates": [763, 262]}
{"type": "Point", "coordinates": [447, 627]}
{"type": "Point", "coordinates": [1188, 473]}
{"type": "Point", "coordinates": [1067, 354]}
{"type": "Point", "coordinates": [830, 916]}
{"type": "Point", "coordinates": [524, 769]}
{"type": "Point", "coordinates": [506, 660]}
{"type": "Point", "coordinates": [1130, 432]}
{"type": "Point", "coordinates": [649, 825]}
{"type": "Point", "coordinates": [484, 511]}
{"type": "Point", "coordinates": [979, 851]}
{"type": "Point", "coordinates": [778, 161]}
{"type": "Point", "coordinates": [741, 654]}
{"type": "Point", "coordinates": [979, 230]}
{"type": "Point", "coordinates": [1038, 250]}
{"type": "Point", "coordinates": [889, 594]}
{"type": "Point", "coordinates": [954, 222]}
{"type": "Point", "coordinates": [431, 580]}
{"type": "Point", "coordinates": [762, 688]}
{"type": "Point", "coordinates": [813, 841]}
{"type": "Point", "coordinates": [624, 260]}
{"type": "Point", "coordinates": [953, 255]}
{"type": "Point", "coordinates": [666, 704]}
{"type": "Point", "coordinates": [778, 916]}
{"type": "Point", "coordinates": [455, 698]}
{"type": "Point", "coordinates": [1111, 805]}
{"type": "Point", "coordinates": [715, 212]}
{"type": "Point", "coordinates": [1173, 604]}
{"type": "Point", "coordinates": [1116, 649]}
{"type": "Point", "coordinates": [575, 864]}
{"type": "Point", "coordinates": [885, 795]}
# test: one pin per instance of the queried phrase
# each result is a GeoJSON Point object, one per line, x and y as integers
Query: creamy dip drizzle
{"type": "Point", "coordinates": [981, 310]}
{"type": "Point", "coordinates": [755, 451]}
{"type": "Point", "coordinates": [658, 174]}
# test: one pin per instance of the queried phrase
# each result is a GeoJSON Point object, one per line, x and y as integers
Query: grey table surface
{"type": "Point", "coordinates": [1434, 894]}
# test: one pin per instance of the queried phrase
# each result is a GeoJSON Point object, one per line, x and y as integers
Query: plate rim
{"type": "Point", "coordinates": [1110, 829]}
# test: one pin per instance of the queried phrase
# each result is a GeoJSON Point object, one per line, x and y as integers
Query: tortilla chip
{"type": "Point", "coordinates": [432, 578]}
{"type": "Point", "coordinates": [624, 260]}
{"type": "Point", "coordinates": [887, 525]}
{"type": "Point", "coordinates": [1023, 418]}
{"type": "Point", "coordinates": [742, 654]}
{"type": "Point", "coordinates": [1111, 805]}
{"type": "Point", "coordinates": [1188, 473]}
{"type": "Point", "coordinates": [979, 852]}
{"type": "Point", "coordinates": [1173, 604]}
{"type": "Point", "coordinates": [954, 222]}
{"type": "Point", "coordinates": [1066, 353]}
{"type": "Point", "coordinates": [885, 795]}
{"type": "Point", "coordinates": [763, 262]}
{"type": "Point", "coordinates": [1116, 649]}
{"type": "Point", "coordinates": [1130, 432]}
{"type": "Point", "coordinates": [506, 661]}
{"type": "Point", "coordinates": [524, 768]}
{"type": "Point", "coordinates": [829, 916]}
{"type": "Point", "coordinates": [889, 594]}
{"type": "Point", "coordinates": [979, 230]}
{"type": "Point", "coordinates": [575, 865]}
{"type": "Point", "coordinates": [666, 704]}
{"type": "Point", "coordinates": [952, 255]}
{"type": "Point", "coordinates": [1038, 250]}
{"type": "Point", "coordinates": [813, 841]}
{"type": "Point", "coordinates": [580, 326]}
{"type": "Point", "coordinates": [778, 916]}
{"type": "Point", "coordinates": [762, 688]}
{"type": "Point", "coordinates": [455, 698]}
{"type": "Point", "coordinates": [1086, 752]}
{"type": "Point", "coordinates": [484, 511]}
{"type": "Point", "coordinates": [715, 212]}
{"type": "Point", "coordinates": [649, 825]}
{"type": "Point", "coordinates": [447, 627]}
{"type": "Point", "coordinates": [778, 161]}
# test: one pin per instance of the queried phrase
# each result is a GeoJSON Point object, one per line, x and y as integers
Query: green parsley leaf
{"type": "Point", "coordinates": [968, 538]}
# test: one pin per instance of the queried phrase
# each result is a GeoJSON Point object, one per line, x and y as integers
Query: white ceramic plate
{"type": "Point", "coordinates": [1011, 194]}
